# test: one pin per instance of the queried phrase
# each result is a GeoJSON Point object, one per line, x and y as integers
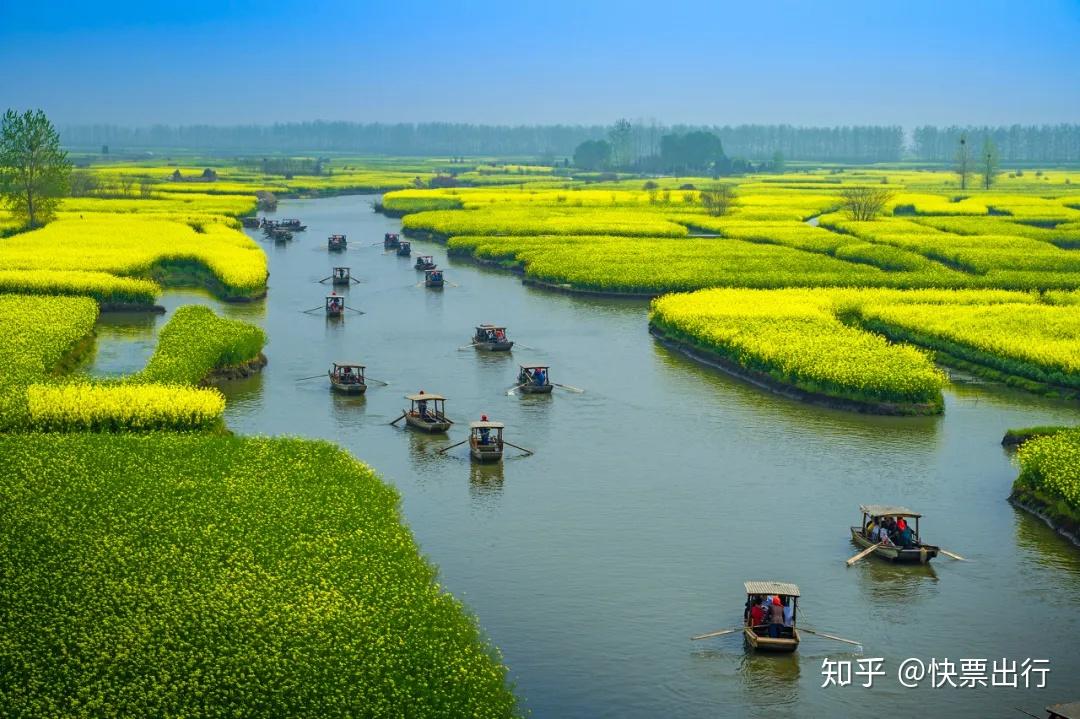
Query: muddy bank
{"type": "Point", "coordinates": [239, 371]}
{"type": "Point", "coordinates": [130, 307]}
{"type": "Point", "coordinates": [767, 382]}
{"type": "Point", "coordinates": [1067, 526]}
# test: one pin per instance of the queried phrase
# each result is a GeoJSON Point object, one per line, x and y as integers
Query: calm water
{"type": "Point", "coordinates": [655, 494]}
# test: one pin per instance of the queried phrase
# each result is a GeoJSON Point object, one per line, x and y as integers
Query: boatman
{"type": "Point", "coordinates": [485, 433]}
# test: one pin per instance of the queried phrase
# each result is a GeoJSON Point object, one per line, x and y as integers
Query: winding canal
{"type": "Point", "coordinates": [655, 494]}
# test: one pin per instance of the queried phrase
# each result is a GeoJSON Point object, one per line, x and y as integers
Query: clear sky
{"type": "Point", "coordinates": [813, 62]}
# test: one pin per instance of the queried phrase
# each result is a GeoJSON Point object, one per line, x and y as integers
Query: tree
{"type": "Point", "coordinates": [989, 162]}
{"type": "Point", "coordinates": [621, 136]}
{"type": "Point", "coordinates": [718, 200]}
{"type": "Point", "coordinates": [777, 164]}
{"type": "Point", "coordinates": [963, 161]}
{"type": "Point", "coordinates": [693, 152]}
{"type": "Point", "coordinates": [34, 171]}
{"type": "Point", "coordinates": [865, 203]}
{"type": "Point", "coordinates": [592, 155]}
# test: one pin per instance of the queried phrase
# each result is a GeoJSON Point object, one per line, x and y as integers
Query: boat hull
{"type": "Point", "coordinates": [402, 252]}
{"type": "Point", "coordinates": [435, 285]}
{"type": "Point", "coordinates": [918, 555]}
{"type": "Point", "coordinates": [423, 425]}
{"type": "Point", "coordinates": [338, 281]}
{"type": "Point", "coordinates": [353, 389]}
{"type": "Point", "coordinates": [536, 389]}
{"type": "Point", "coordinates": [486, 455]}
{"type": "Point", "coordinates": [781, 645]}
{"type": "Point", "coordinates": [494, 346]}
{"type": "Point", "coordinates": [335, 248]}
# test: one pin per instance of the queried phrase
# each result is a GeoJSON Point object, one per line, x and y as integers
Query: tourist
{"type": "Point", "coordinates": [757, 615]}
{"type": "Point", "coordinates": [789, 611]}
{"type": "Point", "coordinates": [776, 618]}
{"type": "Point", "coordinates": [485, 433]}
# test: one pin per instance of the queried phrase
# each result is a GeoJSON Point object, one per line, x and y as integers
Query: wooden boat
{"type": "Point", "coordinates": [252, 223]}
{"type": "Point", "coordinates": [292, 225]}
{"type": "Point", "coordinates": [279, 234]}
{"type": "Point", "coordinates": [757, 637]}
{"type": "Point", "coordinates": [336, 243]}
{"type": "Point", "coordinates": [491, 338]}
{"type": "Point", "coordinates": [391, 241]}
{"type": "Point", "coordinates": [1064, 710]}
{"type": "Point", "coordinates": [335, 305]}
{"type": "Point", "coordinates": [424, 262]}
{"type": "Point", "coordinates": [404, 248]}
{"type": "Point", "coordinates": [433, 278]}
{"type": "Point", "coordinates": [347, 378]}
{"type": "Point", "coordinates": [921, 553]}
{"type": "Point", "coordinates": [427, 412]}
{"type": "Point", "coordinates": [534, 379]}
{"type": "Point", "coordinates": [341, 276]}
{"type": "Point", "coordinates": [482, 445]}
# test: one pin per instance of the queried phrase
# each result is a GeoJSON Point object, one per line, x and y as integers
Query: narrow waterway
{"type": "Point", "coordinates": [655, 494]}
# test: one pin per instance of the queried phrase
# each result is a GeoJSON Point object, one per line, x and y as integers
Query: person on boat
{"type": "Point", "coordinates": [776, 618]}
{"type": "Point", "coordinates": [757, 615]}
{"type": "Point", "coordinates": [485, 433]}
{"type": "Point", "coordinates": [789, 612]}
{"type": "Point", "coordinates": [907, 538]}
{"type": "Point", "coordinates": [540, 376]}
{"type": "Point", "coordinates": [421, 408]}
{"type": "Point", "coordinates": [500, 335]}
{"type": "Point", "coordinates": [877, 532]}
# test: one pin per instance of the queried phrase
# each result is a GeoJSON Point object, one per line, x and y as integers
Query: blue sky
{"type": "Point", "coordinates": [805, 63]}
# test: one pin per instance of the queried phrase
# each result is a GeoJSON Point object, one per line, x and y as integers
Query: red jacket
{"type": "Point", "coordinates": [757, 615]}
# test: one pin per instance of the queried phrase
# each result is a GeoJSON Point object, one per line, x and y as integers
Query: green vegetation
{"type": "Point", "coordinates": [1050, 476]}
{"type": "Point", "coordinates": [181, 575]}
{"type": "Point", "coordinates": [195, 342]}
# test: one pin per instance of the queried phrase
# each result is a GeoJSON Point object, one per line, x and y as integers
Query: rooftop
{"type": "Point", "coordinates": [781, 588]}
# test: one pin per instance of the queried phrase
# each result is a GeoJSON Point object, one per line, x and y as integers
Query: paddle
{"type": "Point", "coordinates": [830, 636]}
{"type": "Point", "coordinates": [314, 376]}
{"type": "Point", "coordinates": [513, 389]}
{"type": "Point", "coordinates": [359, 312]}
{"type": "Point", "coordinates": [527, 452]}
{"type": "Point", "coordinates": [313, 309]}
{"type": "Point", "coordinates": [376, 381]}
{"type": "Point", "coordinates": [572, 389]}
{"type": "Point", "coordinates": [864, 553]}
{"type": "Point", "coordinates": [453, 445]}
{"type": "Point", "coordinates": [715, 634]}
{"type": "Point", "coordinates": [398, 419]}
{"type": "Point", "coordinates": [947, 553]}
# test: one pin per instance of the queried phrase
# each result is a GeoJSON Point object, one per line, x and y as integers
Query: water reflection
{"type": "Point", "coordinates": [896, 583]}
{"type": "Point", "coordinates": [769, 680]}
{"type": "Point", "coordinates": [485, 481]}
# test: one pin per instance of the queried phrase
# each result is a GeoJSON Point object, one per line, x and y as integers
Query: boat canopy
{"type": "Point", "coordinates": [885, 510]}
{"type": "Point", "coordinates": [1068, 710]}
{"type": "Point", "coordinates": [486, 425]}
{"type": "Point", "coordinates": [534, 366]}
{"type": "Point", "coordinates": [343, 365]}
{"type": "Point", "coordinates": [784, 589]}
{"type": "Point", "coordinates": [422, 397]}
{"type": "Point", "coordinates": [490, 327]}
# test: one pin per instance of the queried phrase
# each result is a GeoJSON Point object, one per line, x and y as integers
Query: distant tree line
{"type": "Point", "coordinates": [1016, 143]}
{"type": "Point", "coordinates": [636, 140]}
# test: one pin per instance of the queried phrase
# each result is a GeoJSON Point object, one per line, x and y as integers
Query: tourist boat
{"type": "Point", "coordinates": [491, 338]}
{"type": "Point", "coordinates": [391, 240]}
{"type": "Point", "coordinates": [278, 234]}
{"type": "Point", "coordinates": [424, 262]}
{"type": "Point", "coordinates": [534, 379]}
{"type": "Point", "coordinates": [919, 554]}
{"type": "Point", "coordinates": [336, 243]}
{"type": "Point", "coordinates": [427, 412]}
{"type": "Point", "coordinates": [347, 378]}
{"type": "Point", "coordinates": [433, 278]}
{"type": "Point", "coordinates": [252, 223]}
{"type": "Point", "coordinates": [757, 637]}
{"type": "Point", "coordinates": [486, 441]}
{"type": "Point", "coordinates": [335, 305]}
{"type": "Point", "coordinates": [340, 276]}
{"type": "Point", "coordinates": [404, 248]}
{"type": "Point", "coordinates": [292, 225]}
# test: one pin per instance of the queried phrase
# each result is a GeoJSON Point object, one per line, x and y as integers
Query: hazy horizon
{"type": "Point", "coordinates": [685, 63]}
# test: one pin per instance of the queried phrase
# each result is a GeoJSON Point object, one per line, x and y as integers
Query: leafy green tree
{"type": "Point", "coordinates": [592, 155]}
{"type": "Point", "coordinates": [989, 162]}
{"type": "Point", "coordinates": [622, 147]}
{"type": "Point", "coordinates": [34, 171]}
{"type": "Point", "coordinates": [777, 164]}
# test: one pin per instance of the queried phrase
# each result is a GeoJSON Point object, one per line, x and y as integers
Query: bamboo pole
{"type": "Point", "coordinates": [864, 553]}
{"type": "Point", "coordinates": [528, 452]}
{"type": "Point", "coordinates": [314, 376]}
{"type": "Point", "coordinates": [830, 636]}
{"type": "Point", "coordinates": [399, 418]}
{"type": "Point", "coordinates": [455, 444]}
{"type": "Point", "coordinates": [569, 387]}
{"type": "Point", "coordinates": [715, 634]}
{"type": "Point", "coordinates": [947, 553]}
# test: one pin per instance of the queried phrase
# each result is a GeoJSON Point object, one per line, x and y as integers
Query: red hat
{"type": "Point", "coordinates": [483, 418]}
{"type": "Point", "coordinates": [776, 600]}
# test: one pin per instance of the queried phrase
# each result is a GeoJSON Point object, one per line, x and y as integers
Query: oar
{"type": "Point", "coordinates": [947, 553]}
{"type": "Point", "coordinates": [399, 418]}
{"type": "Point", "coordinates": [715, 634]}
{"type": "Point", "coordinates": [324, 279]}
{"type": "Point", "coordinates": [572, 389]}
{"type": "Point", "coordinates": [359, 312]}
{"type": "Point", "coordinates": [376, 381]}
{"type": "Point", "coordinates": [511, 390]}
{"type": "Point", "coordinates": [465, 347]}
{"type": "Point", "coordinates": [314, 376]}
{"type": "Point", "coordinates": [830, 636]}
{"type": "Point", "coordinates": [526, 451]}
{"type": "Point", "coordinates": [862, 554]}
{"type": "Point", "coordinates": [355, 280]}
{"type": "Point", "coordinates": [313, 309]}
{"type": "Point", "coordinates": [453, 445]}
